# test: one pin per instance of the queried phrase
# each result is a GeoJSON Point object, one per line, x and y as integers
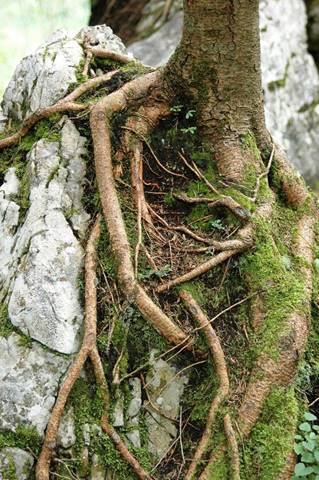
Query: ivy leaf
{"type": "Point", "coordinates": [309, 445]}
{"type": "Point", "coordinates": [308, 457]}
{"type": "Point", "coordinates": [307, 415]}
{"type": "Point", "coordinates": [298, 448]}
{"type": "Point", "coordinates": [316, 454]}
{"type": "Point", "coordinates": [302, 471]}
{"type": "Point", "coordinates": [305, 427]}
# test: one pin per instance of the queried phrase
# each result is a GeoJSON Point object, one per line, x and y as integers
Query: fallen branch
{"type": "Point", "coordinates": [63, 105]}
{"type": "Point", "coordinates": [221, 371]}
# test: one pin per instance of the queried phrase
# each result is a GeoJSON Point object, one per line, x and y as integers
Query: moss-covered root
{"type": "Point", "coordinates": [66, 104]}
{"type": "Point", "coordinates": [100, 127]}
{"type": "Point", "coordinates": [221, 370]}
{"type": "Point", "coordinates": [232, 448]}
{"type": "Point", "coordinates": [88, 350]}
{"type": "Point", "coordinates": [280, 371]}
{"type": "Point", "coordinates": [289, 180]}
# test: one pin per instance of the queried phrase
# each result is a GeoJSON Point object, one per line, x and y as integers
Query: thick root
{"type": "Point", "coordinates": [88, 350]}
{"type": "Point", "coordinates": [100, 127]}
{"type": "Point", "coordinates": [221, 370]}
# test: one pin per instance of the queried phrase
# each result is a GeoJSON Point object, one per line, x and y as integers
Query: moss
{"type": "Point", "coordinates": [265, 453]}
{"type": "Point", "coordinates": [283, 289]}
{"type": "Point", "coordinates": [250, 143]}
{"type": "Point", "coordinates": [6, 327]}
{"type": "Point", "coordinates": [25, 437]}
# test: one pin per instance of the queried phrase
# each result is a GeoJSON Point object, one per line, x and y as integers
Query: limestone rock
{"type": "Point", "coordinates": [102, 36]}
{"type": "Point", "coordinates": [165, 389]}
{"type": "Point", "coordinates": [41, 79]}
{"type": "Point", "coordinates": [17, 460]}
{"type": "Point", "coordinates": [41, 259]}
{"type": "Point", "coordinates": [66, 433]}
{"type": "Point", "coordinates": [290, 77]}
{"type": "Point", "coordinates": [29, 378]}
{"type": "Point", "coordinates": [97, 469]}
{"type": "Point", "coordinates": [133, 411]}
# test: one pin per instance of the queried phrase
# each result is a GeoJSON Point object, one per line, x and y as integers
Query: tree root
{"type": "Point", "coordinates": [64, 105]}
{"type": "Point", "coordinates": [269, 372]}
{"type": "Point", "coordinates": [221, 370]}
{"type": "Point", "coordinates": [138, 126]}
{"type": "Point", "coordinates": [116, 57]}
{"type": "Point", "coordinates": [224, 201]}
{"type": "Point", "coordinates": [232, 448]}
{"type": "Point", "coordinates": [244, 243]}
{"type": "Point", "coordinates": [100, 127]}
{"type": "Point", "coordinates": [88, 350]}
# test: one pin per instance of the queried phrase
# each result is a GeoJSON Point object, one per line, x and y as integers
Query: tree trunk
{"type": "Point", "coordinates": [217, 67]}
{"type": "Point", "coordinates": [199, 281]}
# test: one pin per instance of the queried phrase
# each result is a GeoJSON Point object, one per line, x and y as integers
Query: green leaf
{"type": "Point", "coordinates": [305, 427]}
{"type": "Point", "coordinates": [308, 457]}
{"type": "Point", "coordinates": [309, 445]}
{"type": "Point", "coordinates": [310, 417]}
{"type": "Point", "coordinates": [298, 448]}
{"type": "Point", "coordinates": [302, 471]}
{"type": "Point", "coordinates": [190, 114]}
{"type": "Point", "coordinates": [316, 454]}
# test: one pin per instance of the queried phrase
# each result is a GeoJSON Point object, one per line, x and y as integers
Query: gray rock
{"type": "Point", "coordinates": [290, 77]}
{"type": "Point", "coordinates": [132, 412]}
{"type": "Point", "coordinates": [98, 471]}
{"type": "Point", "coordinates": [43, 78]}
{"type": "Point", "coordinates": [66, 434]}
{"type": "Point", "coordinates": [42, 258]}
{"type": "Point", "coordinates": [118, 413]}
{"type": "Point", "coordinates": [165, 388]}
{"type": "Point", "coordinates": [157, 49]}
{"type": "Point", "coordinates": [29, 378]}
{"type": "Point", "coordinates": [102, 36]}
{"type": "Point", "coordinates": [15, 459]}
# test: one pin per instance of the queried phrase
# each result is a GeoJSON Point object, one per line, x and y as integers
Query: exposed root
{"type": "Point", "coordinates": [243, 244]}
{"type": "Point", "coordinates": [224, 201]}
{"type": "Point", "coordinates": [288, 471]}
{"type": "Point", "coordinates": [88, 350]}
{"type": "Point", "coordinates": [116, 57]}
{"type": "Point", "coordinates": [100, 127]}
{"type": "Point", "coordinates": [269, 372]}
{"type": "Point", "coordinates": [137, 127]}
{"type": "Point", "coordinates": [166, 10]}
{"type": "Point", "coordinates": [292, 183]}
{"type": "Point", "coordinates": [221, 370]}
{"type": "Point", "coordinates": [263, 175]}
{"type": "Point", "coordinates": [232, 448]}
{"type": "Point", "coordinates": [66, 104]}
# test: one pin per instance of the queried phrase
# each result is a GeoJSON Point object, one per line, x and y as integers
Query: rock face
{"type": "Point", "coordinates": [41, 253]}
{"type": "Point", "coordinates": [290, 77]}
{"type": "Point", "coordinates": [44, 77]}
{"type": "Point", "coordinates": [165, 388]}
{"type": "Point", "coordinates": [29, 378]}
{"type": "Point", "coordinates": [41, 257]}
{"type": "Point", "coordinates": [15, 461]}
